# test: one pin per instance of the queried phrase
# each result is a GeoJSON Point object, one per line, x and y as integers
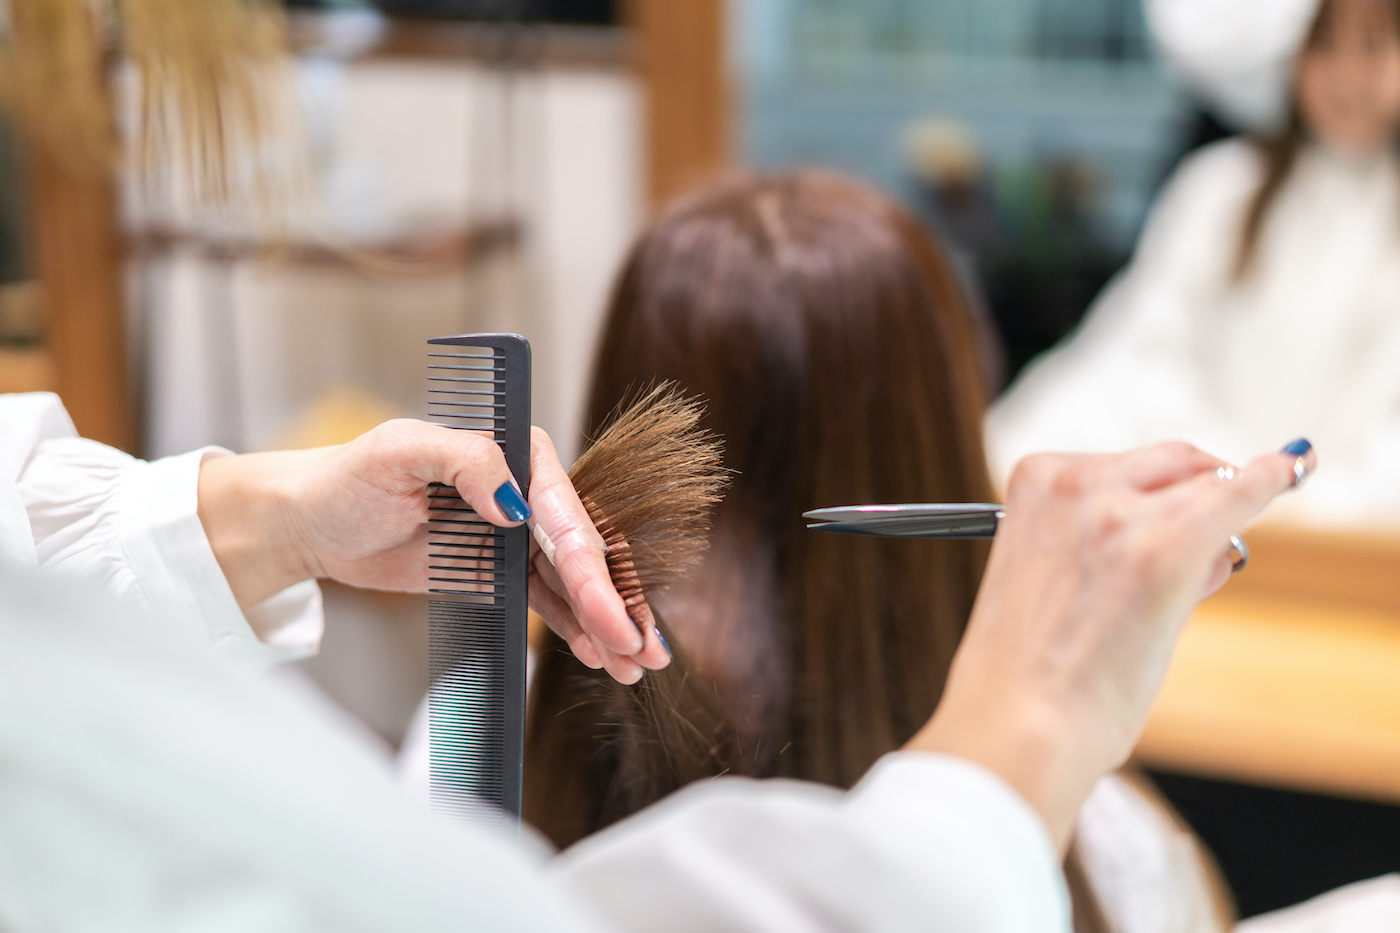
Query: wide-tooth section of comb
{"type": "Point", "coordinates": [478, 579]}
{"type": "Point", "coordinates": [650, 482]}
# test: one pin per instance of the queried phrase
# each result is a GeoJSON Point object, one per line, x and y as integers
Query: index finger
{"type": "Point", "coordinates": [1222, 507]}
{"type": "Point", "coordinates": [578, 552]}
{"type": "Point", "coordinates": [1164, 465]}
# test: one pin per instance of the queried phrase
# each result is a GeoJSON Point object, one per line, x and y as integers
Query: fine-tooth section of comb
{"type": "Point", "coordinates": [478, 579]}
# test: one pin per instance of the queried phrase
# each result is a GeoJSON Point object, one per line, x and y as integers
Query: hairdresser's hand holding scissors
{"type": "Point", "coordinates": [358, 513]}
{"type": "Point", "coordinates": [1092, 575]}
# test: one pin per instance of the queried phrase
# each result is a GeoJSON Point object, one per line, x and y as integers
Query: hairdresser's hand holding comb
{"type": "Point", "coordinates": [1091, 578]}
{"type": "Point", "coordinates": [358, 513]}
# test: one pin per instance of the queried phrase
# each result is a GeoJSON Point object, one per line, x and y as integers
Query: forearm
{"type": "Point", "coordinates": [246, 508]}
{"type": "Point", "coordinates": [1030, 745]}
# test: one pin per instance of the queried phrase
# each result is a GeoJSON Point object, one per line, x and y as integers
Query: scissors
{"type": "Point", "coordinates": [940, 520]}
{"type": "Point", "coordinates": [910, 520]}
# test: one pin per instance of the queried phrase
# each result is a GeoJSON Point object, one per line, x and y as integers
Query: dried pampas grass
{"type": "Point", "coordinates": [650, 482]}
{"type": "Point", "coordinates": [53, 78]}
{"type": "Point", "coordinates": [212, 85]}
{"type": "Point", "coordinates": [216, 97]}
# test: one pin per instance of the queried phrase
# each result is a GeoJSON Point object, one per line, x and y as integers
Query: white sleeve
{"type": "Point", "coordinates": [177, 793]}
{"type": "Point", "coordinates": [1362, 907]}
{"type": "Point", "coordinates": [1129, 375]}
{"type": "Point", "coordinates": [147, 786]}
{"type": "Point", "coordinates": [133, 527]}
{"type": "Point", "coordinates": [924, 842]}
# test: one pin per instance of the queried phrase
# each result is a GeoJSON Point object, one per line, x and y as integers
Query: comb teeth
{"type": "Point", "coordinates": [466, 709]}
{"type": "Point", "coordinates": [477, 578]}
{"type": "Point", "coordinates": [621, 561]}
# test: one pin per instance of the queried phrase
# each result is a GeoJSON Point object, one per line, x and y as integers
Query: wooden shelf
{"type": "Point", "coordinates": [27, 369]}
{"type": "Point", "coordinates": [551, 45]}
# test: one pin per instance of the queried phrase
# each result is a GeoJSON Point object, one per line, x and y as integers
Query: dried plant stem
{"type": "Point", "coordinates": [213, 99]}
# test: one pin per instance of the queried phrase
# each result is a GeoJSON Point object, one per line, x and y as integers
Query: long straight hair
{"type": "Point", "coordinates": [832, 346]}
{"type": "Point", "coordinates": [1281, 151]}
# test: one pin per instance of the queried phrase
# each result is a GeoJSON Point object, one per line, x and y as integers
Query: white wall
{"type": "Point", "coordinates": [236, 350]}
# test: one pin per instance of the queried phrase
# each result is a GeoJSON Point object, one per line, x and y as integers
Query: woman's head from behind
{"type": "Point", "coordinates": [828, 339]}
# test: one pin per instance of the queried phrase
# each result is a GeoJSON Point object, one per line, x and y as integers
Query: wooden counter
{"type": "Point", "coordinates": [1290, 676]}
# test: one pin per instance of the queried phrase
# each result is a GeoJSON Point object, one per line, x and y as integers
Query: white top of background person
{"type": "Point", "coordinates": [1185, 342]}
{"type": "Point", "coordinates": [148, 785]}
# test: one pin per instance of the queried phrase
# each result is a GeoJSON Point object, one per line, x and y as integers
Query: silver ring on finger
{"type": "Point", "coordinates": [1239, 554]}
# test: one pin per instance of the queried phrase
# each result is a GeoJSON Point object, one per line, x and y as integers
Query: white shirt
{"type": "Point", "coordinates": [1304, 346]}
{"type": "Point", "coordinates": [148, 784]}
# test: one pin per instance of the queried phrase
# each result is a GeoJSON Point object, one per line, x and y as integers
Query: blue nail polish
{"type": "Point", "coordinates": [512, 503]}
{"type": "Point", "coordinates": [1297, 448]}
{"type": "Point", "coordinates": [664, 643]}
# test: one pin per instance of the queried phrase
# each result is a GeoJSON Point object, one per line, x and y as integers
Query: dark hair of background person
{"type": "Point", "coordinates": [1281, 151]}
{"type": "Point", "coordinates": [830, 341]}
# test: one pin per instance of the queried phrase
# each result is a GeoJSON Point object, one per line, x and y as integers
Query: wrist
{"type": "Point", "coordinates": [1031, 743]}
{"type": "Point", "coordinates": [247, 507]}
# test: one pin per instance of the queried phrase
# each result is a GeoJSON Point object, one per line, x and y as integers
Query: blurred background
{"type": "Point", "coordinates": [474, 165]}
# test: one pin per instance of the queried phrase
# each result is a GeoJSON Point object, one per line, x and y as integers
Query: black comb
{"type": "Point", "coordinates": [478, 579]}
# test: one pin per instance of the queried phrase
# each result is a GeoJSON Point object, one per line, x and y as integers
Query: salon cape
{"type": "Point", "coordinates": [152, 778]}
{"type": "Point", "coordinates": [1307, 345]}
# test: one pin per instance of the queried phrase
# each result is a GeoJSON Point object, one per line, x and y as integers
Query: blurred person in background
{"type": "Point", "coordinates": [1266, 285]}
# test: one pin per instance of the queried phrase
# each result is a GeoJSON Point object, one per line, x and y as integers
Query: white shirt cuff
{"type": "Point", "coordinates": [924, 842]}
{"type": "Point", "coordinates": [926, 807]}
{"type": "Point", "coordinates": [164, 540]}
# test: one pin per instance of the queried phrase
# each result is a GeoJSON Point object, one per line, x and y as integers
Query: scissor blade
{"type": "Point", "coordinates": [978, 525]}
{"type": "Point", "coordinates": [932, 510]}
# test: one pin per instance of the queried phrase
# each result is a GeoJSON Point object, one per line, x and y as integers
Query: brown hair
{"type": "Point", "coordinates": [834, 349]}
{"type": "Point", "coordinates": [1281, 153]}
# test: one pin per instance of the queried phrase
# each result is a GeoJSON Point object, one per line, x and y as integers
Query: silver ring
{"type": "Point", "coordinates": [1300, 471]}
{"type": "Point", "coordinates": [1239, 554]}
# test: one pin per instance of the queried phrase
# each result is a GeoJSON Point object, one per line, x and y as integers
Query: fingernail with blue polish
{"type": "Point", "coordinates": [664, 643]}
{"type": "Point", "coordinates": [512, 503]}
{"type": "Point", "coordinates": [1297, 448]}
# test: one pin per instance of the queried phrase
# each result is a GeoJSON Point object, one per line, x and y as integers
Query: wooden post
{"type": "Point", "coordinates": [687, 92]}
{"type": "Point", "coordinates": [77, 250]}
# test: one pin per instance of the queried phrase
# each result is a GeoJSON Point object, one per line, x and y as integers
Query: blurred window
{"type": "Point", "coordinates": [1104, 30]}
{"type": "Point", "coordinates": [1030, 134]}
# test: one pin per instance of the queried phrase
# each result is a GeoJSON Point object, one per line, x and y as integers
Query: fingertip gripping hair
{"type": "Point", "coordinates": [650, 482]}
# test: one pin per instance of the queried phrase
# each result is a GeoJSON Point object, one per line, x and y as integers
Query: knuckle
{"type": "Point", "coordinates": [1142, 558]}
{"type": "Point", "coordinates": [1179, 449]}
{"type": "Point", "coordinates": [1111, 516]}
{"type": "Point", "coordinates": [480, 451]}
{"type": "Point", "coordinates": [1034, 472]}
{"type": "Point", "coordinates": [1074, 479]}
{"type": "Point", "coordinates": [539, 438]}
